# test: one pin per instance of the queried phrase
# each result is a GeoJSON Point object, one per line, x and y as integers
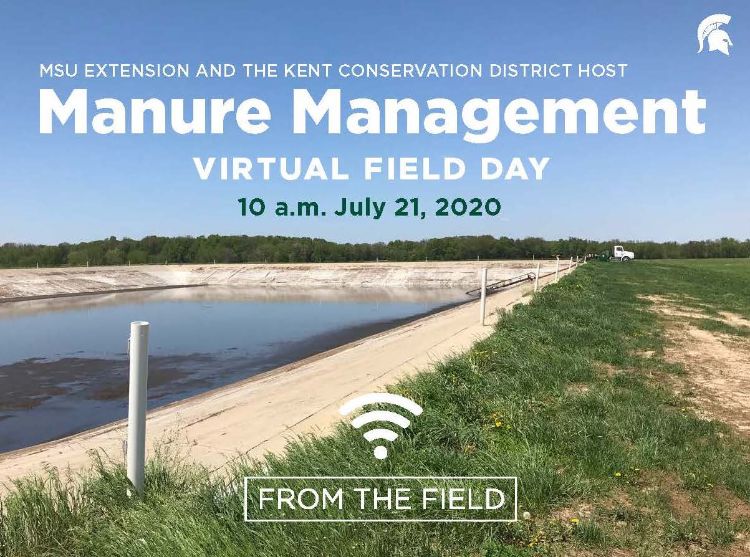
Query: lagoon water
{"type": "Point", "coordinates": [64, 366]}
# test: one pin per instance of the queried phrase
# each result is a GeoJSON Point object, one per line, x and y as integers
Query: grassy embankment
{"type": "Point", "coordinates": [566, 394]}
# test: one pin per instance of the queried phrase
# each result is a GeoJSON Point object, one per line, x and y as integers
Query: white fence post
{"type": "Point", "coordinates": [136, 454]}
{"type": "Point", "coordinates": [483, 296]}
{"type": "Point", "coordinates": [570, 265]}
{"type": "Point", "coordinates": [576, 261]}
{"type": "Point", "coordinates": [536, 277]}
{"type": "Point", "coordinates": [557, 269]}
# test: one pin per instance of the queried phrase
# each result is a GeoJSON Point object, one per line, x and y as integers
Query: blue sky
{"type": "Point", "coordinates": [64, 187]}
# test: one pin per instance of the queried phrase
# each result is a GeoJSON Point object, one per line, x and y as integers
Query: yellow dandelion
{"type": "Point", "coordinates": [574, 520]}
{"type": "Point", "coordinates": [617, 474]}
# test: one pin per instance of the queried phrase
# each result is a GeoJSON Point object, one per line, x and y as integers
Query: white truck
{"type": "Point", "coordinates": [621, 254]}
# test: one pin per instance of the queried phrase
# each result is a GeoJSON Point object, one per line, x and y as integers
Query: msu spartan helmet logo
{"type": "Point", "coordinates": [718, 39]}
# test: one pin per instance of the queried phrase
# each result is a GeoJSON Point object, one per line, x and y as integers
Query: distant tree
{"type": "Point", "coordinates": [279, 249]}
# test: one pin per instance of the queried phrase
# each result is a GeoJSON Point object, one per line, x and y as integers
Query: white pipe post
{"type": "Point", "coordinates": [536, 277]}
{"type": "Point", "coordinates": [483, 296]}
{"type": "Point", "coordinates": [570, 265]}
{"type": "Point", "coordinates": [138, 349]}
{"type": "Point", "coordinates": [557, 269]}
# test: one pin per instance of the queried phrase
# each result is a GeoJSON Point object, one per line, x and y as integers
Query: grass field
{"type": "Point", "coordinates": [573, 393]}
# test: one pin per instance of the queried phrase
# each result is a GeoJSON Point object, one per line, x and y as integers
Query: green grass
{"type": "Point", "coordinates": [717, 326]}
{"type": "Point", "coordinates": [562, 395]}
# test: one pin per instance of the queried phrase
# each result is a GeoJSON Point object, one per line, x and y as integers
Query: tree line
{"type": "Point", "coordinates": [280, 249]}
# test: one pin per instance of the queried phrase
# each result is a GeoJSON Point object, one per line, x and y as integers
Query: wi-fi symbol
{"type": "Point", "coordinates": [378, 433]}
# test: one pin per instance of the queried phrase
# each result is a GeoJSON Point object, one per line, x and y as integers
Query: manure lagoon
{"type": "Point", "coordinates": [64, 365]}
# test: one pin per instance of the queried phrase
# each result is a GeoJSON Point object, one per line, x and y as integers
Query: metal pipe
{"type": "Point", "coordinates": [483, 296]}
{"type": "Point", "coordinates": [136, 451]}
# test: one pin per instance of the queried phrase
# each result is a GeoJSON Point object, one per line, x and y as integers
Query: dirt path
{"type": "Point", "coordinates": [718, 363]}
{"type": "Point", "coordinates": [260, 414]}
